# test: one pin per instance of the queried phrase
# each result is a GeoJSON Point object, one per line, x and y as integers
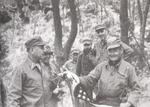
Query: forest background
{"type": "Point", "coordinates": [63, 23]}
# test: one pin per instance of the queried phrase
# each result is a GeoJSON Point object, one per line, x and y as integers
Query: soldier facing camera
{"type": "Point", "coordinates": [86, 62]}
{"type": "Point", "coordinates": [101, 44]}
{"type": "Point", "coordinates": [118, 85]}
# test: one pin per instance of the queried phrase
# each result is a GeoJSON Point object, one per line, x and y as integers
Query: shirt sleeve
{"type": "Point", "coordinates": [78, 68]}
{"type": "Point", "coordinates": [128, 51]}
{"type": "Point", "coordinates": [92, 78]}
{"type": "Point", "coordinates": [134, 86]}
{"type": "Point", "coordinates": [15, 89]}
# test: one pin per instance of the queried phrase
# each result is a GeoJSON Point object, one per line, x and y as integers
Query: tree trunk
{"type": "Point", "coordinates": [145, 13]}
{"type": "Point", "coordinates": [73, 32]}
{"type": "Point", "coordinates": [58, 28]}
{"type": "Point", "coordinates": [124, 23]}
{"type": "Point", "coordinates": [58, 50]}
{"type": "Point", "coordinates": [143, 18]}
{"type": "Point", "coordinates": [140, 11]}
{"type": "Point", "coordinates": [61, 53]}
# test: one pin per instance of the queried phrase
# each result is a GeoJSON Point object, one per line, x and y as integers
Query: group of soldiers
{"type": "Point", "coordinates": [102, 68]}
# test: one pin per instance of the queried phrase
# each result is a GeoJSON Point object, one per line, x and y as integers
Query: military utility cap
{"type": "Point", "coordinates": [36, 41]}
{"type": "Point", "coordinates": [75, 51]}
{"type": "Point", "coordinates": [100, 27]}
{"type": "Point", "coordinates": [113, 42]}
{"type": "Point", "coordinates": [87, 40]}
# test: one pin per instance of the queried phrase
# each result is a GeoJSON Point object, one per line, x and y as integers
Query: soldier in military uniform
{"type": "Point", "coordinates": [71, 66]}
{"type": "Point", "coordinates": [86, 60]}
{"type": "Point", "coordinates": [117, 81]}
{"type": "Point", "coordinates": [86, 63]}
{"type": "Point", "coordinates": [101, 44]}
{"type": "Point", "coordinates": [72, 62]}
{"type": "Point", "coordinates": [32, 82]}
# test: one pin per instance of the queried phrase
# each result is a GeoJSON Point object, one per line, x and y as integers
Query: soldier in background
{"type": "Point", "coordinates": [71, 65]}
{"type": "Point", "coordinates": [86, 60]}
{"type": "Point", "coordinates": [101, 44]}
{"type": "Point", "coordinates": [86, 63]}
{"type": "Point", "coordinates": [72, 62]}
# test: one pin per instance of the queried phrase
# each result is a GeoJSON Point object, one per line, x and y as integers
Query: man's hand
{"type": "Point", "coordinates": [125, 104]}
{"type": "Point", "coordinates": [69, 76]}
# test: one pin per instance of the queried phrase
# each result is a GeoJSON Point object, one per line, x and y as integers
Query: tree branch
{"type": "Point", "coordinates": [73, 32]}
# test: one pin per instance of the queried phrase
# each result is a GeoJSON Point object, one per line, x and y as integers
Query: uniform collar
{"type": "Point", "coordinates": [116, 66]}
{"type": "Point", "coordinates": [33, 65]}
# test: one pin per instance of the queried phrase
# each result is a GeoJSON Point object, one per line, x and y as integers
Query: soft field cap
{"type": "Point", "coordinates": [113, 42]}
{"type": "Point", "coordinates": [86, 40]}
{"type": "Point", "coordinates": [34, 42]}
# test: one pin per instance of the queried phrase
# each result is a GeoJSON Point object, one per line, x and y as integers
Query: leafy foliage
{"type": "Point", "coordinates": [36, 19]}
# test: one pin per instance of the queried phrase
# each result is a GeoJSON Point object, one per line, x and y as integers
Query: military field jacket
{"type": "Point", "coordinates": [31, 87]}
{"type": "Point", "coordinates": [112, 82]}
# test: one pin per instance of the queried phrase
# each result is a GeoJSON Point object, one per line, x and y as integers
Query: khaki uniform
{"type": "Point", "coordinates": [31, 86]}
{"type": "Point", "coordinates": [101, 51]}
{"type": "Point", "coordinates": [113, 82]}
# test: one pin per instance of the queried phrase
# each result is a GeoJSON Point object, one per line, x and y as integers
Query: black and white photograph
{"type": "Point", "coordinates": [74, 53]}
